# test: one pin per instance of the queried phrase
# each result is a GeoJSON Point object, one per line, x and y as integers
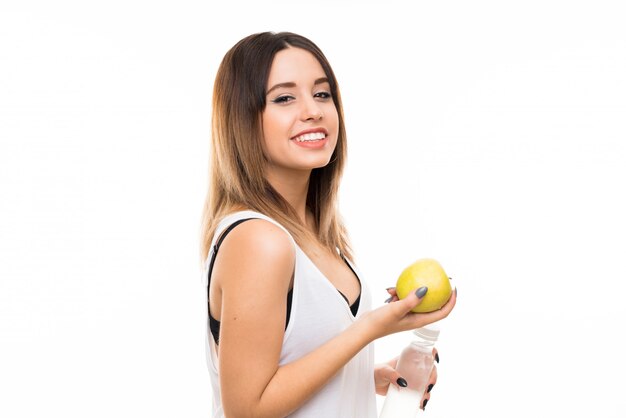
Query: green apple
{"type": "Point", "coordinates": [425, 272]}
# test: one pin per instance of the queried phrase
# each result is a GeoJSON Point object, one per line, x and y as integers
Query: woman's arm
{"type": "Point", "coordinates": [253, 274]}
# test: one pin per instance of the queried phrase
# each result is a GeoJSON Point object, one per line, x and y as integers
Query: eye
{"type": "Point", "coordinates": [323, 95]}
{"type": "Point", "coordinates": [283, 99]}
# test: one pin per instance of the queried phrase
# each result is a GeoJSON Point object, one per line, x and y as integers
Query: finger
{"type": "Point", "coordinates": [392, 376]}
{"type": "Point", "coordinates": [413, 299]}
{"type": "Point", "coordinates": [394, 295]}
{"type": "Point", "coordinates": [436, 354]}
{"type": "Point", "coordinates": [389, 375]}
{"type": "Point", "coordinates": [427, 392]}
{"type": "Point", "coordinates": [396, 379]}
{"type": "Point", "coordinates": [432, 380]}
{"type": "Point", "coordinates": [391, 299]}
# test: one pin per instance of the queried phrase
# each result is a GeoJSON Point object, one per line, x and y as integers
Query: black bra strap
{"type": "Point", "coordinates": [214, 252]}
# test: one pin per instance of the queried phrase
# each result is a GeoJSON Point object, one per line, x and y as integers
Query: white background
{"type": "Point", "coordinates": [487, 134]}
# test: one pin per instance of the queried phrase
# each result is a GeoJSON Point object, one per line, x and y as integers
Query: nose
{"type": "Point", "coordinates": [311, 110]}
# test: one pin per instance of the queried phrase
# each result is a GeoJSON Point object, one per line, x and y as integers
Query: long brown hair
{"type": "Point", "coordinates": [237, 161]}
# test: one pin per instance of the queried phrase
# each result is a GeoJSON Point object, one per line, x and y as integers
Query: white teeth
{"type": "Point", "coordinates": [316, 136]}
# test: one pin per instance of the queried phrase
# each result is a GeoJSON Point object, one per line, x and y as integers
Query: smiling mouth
{"type": "Point", "coordinates": [310, 137]}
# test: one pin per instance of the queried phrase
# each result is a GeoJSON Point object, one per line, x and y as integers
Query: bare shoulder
{"type": "Point", "coordinates": [260, 236]}
{"type": "Point", "coordinates": [257, 246]}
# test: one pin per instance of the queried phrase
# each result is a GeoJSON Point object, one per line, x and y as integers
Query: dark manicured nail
{"type": "Point", "coordinates": [402, 382]}
{"type": "Point", "coordinates": [437, 357]}
{"type": "Point", "coordinates": [449, 278]}
{"type": "Point", "coordinates": [389, 288]}
{"type": "Point", "coordinates": [424, 404]}
{"type": "Point", "coordinates": [388, 299]}
{"type": "Point", "coordinates": [421, 292]}
{"type": "Point", "coordinates": [430, 387]}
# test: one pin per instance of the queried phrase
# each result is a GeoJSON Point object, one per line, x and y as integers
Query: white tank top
{"type": "Point", "coordinates": [318, 313]}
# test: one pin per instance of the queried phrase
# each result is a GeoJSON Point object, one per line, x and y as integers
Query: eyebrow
{"type": "Point", "coordinates": [291, 84]}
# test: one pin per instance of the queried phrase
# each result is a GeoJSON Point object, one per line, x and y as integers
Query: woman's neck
{"type": "Point", "coordinates": [294, 189]}
{"type": "Point", "coordinates": [293, 186]}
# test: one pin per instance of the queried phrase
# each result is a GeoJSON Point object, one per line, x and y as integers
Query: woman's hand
{"type": "Point", "coordinates": [396, 316]}
{"type": "Point", "coordinates": [385, 374]}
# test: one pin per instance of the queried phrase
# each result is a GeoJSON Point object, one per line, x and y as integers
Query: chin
{"type": "Point", "coordinates": [319, 163]}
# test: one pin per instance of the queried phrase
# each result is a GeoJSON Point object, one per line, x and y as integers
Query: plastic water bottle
{"type": "Point", "coordinates": [414, 365]}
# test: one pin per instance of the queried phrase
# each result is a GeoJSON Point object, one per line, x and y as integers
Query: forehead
{"type": "Point", "coordinates": [294, 65]}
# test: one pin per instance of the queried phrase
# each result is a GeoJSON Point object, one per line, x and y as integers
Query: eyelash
{"type": "Point", "coordinates": [323, 95]}
{"type": "Point", "coordinates": [286, 99]}
{"type": "Point", "coordinates": [283, 99]}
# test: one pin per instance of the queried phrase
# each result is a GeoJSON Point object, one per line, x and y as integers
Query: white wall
{"type": "Point", "coordinates": [488, 135]}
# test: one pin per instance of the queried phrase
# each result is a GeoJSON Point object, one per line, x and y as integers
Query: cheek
{"type": "Point", "coordinates": [275, 126]}
{"type": "Point", "coordinates": [332, 116]}
{"type": "Point", "coordinates": [274, 134]}
{"type": "Point", "coordinates": [334, 122]}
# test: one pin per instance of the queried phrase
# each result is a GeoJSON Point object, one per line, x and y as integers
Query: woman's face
{"type": "Point", "coordinates": [300, 121]}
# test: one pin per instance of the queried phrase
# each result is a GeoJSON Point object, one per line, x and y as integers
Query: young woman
{"type": "Point", "coordinates": [291, 325]}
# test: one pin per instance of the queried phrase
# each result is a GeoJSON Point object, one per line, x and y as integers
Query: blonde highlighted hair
{"type": "Point", "coordinates": [237, 161]}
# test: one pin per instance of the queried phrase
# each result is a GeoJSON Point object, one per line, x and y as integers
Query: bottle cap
{"type": "Point", "coordinates": [429, 332]}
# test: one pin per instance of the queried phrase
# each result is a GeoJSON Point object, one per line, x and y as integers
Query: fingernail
{"type": "Point", "coordinates": [430, 387]}
{"type": "Point", "coordinates": [389, 288]}
{"type": "Point", "coordinates": [388, 299]}
{"type": "Point", "coordinates": [437, 357]}
{"type": "Point", "coordinates": [401, 382]}
{"type": "Point", "coordinates": [455, 292]}
{"type": "Point", "coordinates": [449, 278]}
{"type": "Point", "coordinates": [424, 404]}
{"type": "Point", "coordinates": [421, 292]}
